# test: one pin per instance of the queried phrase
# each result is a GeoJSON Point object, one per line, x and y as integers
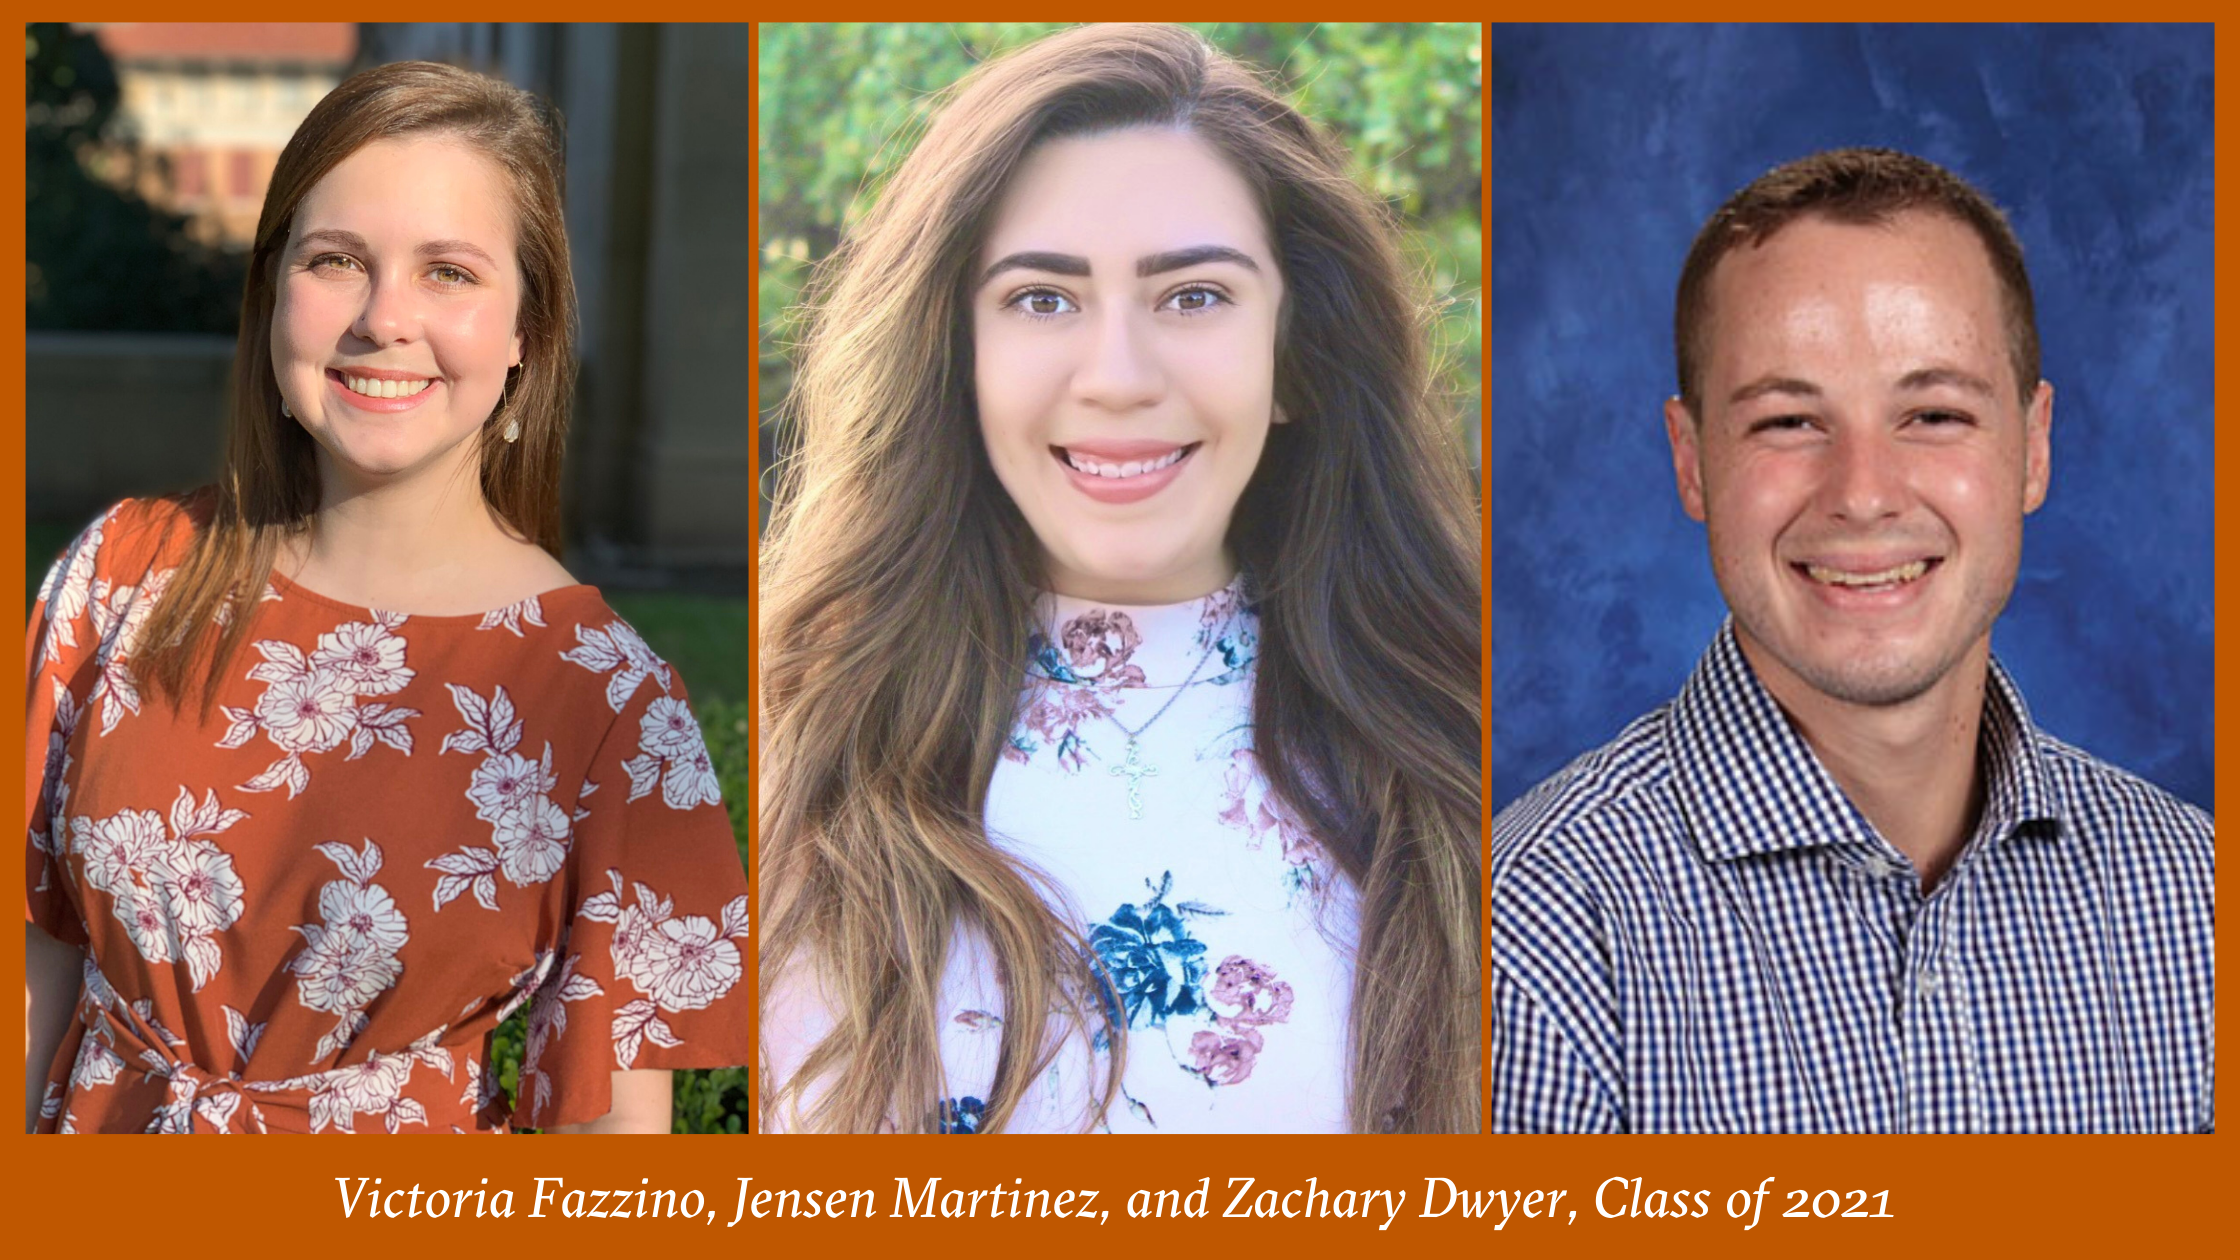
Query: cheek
{"type": "Point", "coordinates": [1017, 382]}
{"type": "Point", "coordinates": [472, 339]}
{"type": "Point", "coordinates": [307, 322]}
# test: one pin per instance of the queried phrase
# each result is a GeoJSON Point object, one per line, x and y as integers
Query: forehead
{"type": "Point", "coordinates": [1819, 294]}
{"type": "Point", "coordinates": [412, 189]}
{"type": "Point", "coordinates": [1125, 193]}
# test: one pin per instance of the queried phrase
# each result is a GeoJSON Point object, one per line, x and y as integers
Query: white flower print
{"type": "Point", "coordinates": [173, 890]}
{"type": "Point", "coordinates": [680, 963]}
{"type": "Point", "coordinates": [505, 782]}
{"type": "Point", "coordinates": [533, 842]}
{"type": "Point", "coordinates": [203, 894]}
{"type": "Point", "coordinates": [619, 650]}
{"type": "Point", "coordinates": [511, 616]}
{"type": "Point", "coordinates": [548, 1018]}
{"type": "Point", "coordinates": [66, 589]}
{"type": "Point", "coordinates": [529, 833]}
{"type": "Point", "coordinates": [351, 958]}
{"type": "Point", "coordinates": [673, 753]}
{"type": "Point", "coordinates": [311, 704]}
{"type": "Point", "coordinates": [55, 778]}
{"type": "Point", "coordinates": [309, 713]}
{"type": "Point", "coordinates": [97, 1065]}
{"type": "Point", "coordinates": [365, 656]}
{"type": "Point", "coordinates": [119, 614]}
{"type": "Point", "coordinates": [374, 1087]}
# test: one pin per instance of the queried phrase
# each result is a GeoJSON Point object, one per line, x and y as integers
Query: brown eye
{"type": "Point", "coordinates": [1041, 303]}
{"type": "Point", "coordinates": [1195, 300]}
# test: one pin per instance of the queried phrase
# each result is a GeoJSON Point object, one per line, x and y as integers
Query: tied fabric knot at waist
{"type": "Point", "coordinates": [120, 1036]}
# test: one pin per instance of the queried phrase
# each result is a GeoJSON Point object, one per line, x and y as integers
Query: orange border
{"type": "Point", "coordinates": [2008, 1194]}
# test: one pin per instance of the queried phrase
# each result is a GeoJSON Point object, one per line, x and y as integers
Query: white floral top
{"type": "Point", "coordinates": [308, 909]}
{"type": "Point", "coordinates": [1224, 932]}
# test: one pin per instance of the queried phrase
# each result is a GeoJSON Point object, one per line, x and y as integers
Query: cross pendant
{"type": "Point", "coordinates": [1136, 769]}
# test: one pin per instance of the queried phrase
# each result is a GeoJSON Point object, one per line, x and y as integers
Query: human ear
{"type": "Point", "coordinates": [1683, 431]}
{"type": "Point", "coordinates": [2037, 448]}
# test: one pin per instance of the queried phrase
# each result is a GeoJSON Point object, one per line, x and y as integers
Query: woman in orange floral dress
{"type": "Point", "coordinates": [333, 767]}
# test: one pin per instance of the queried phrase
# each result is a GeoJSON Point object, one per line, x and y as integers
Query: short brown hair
{"type": "Point", "coordinates": [1853, 186]}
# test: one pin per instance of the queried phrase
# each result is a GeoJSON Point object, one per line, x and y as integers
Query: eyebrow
{"type": "Point", "coordinates": [1931, 378]}
{"type": "Point", "coordinates": [428, 249]}
{"type": "Point", "coordinates": [1148, 265]}
{"type": "Point", "coordinates": [1773, 385]}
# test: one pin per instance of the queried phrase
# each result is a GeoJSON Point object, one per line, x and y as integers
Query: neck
{"type": "Point", "coordinates": [1195, 582]}
{"type": "Point", "coordinates": [400, 542]}
{"type": "Point", "coordinates": [1911, 767]}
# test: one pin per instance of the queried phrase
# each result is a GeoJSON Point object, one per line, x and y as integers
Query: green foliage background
{"type": "Point", "coordinates": [841, 104]}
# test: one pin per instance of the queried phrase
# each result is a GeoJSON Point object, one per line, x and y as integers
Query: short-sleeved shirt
{"type": "Point", "coordinates": [308, 908]}
{"type": "Point", "coordinates": [1694, 930]}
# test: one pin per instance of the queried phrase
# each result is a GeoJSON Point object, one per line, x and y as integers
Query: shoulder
{"type": "Point", "coordinates": [2119, 809]}
{"type": "Point", "coordinates": [132, 538]}
{"type": "Point", "coordinates": [1614, 794]}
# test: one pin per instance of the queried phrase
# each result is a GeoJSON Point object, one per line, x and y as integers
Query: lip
{"type": "Point", "coordinates": [1119, 490]}
{"type": "Point", "coordinates": [1888, 597]}
{"type": "Point", "coordinates": [385, 406]}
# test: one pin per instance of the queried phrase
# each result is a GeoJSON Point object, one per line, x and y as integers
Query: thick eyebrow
{"type": "Point", "coordinates": [1773, 385]}
{"type": "Point", "coordinates": [1931, 378]}
{"type": "Point", "coordinates": [1037, 260]}
{"type": "Point", "coordinates": [1177, 259]}
{"type": "Point", "coordinates": [1148, 265]}
{"type": "Point", "coordinates": [429, 249]}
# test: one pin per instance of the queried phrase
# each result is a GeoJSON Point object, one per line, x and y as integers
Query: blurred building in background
{"type": "Point", "coordinates": [213, 103]}
{"type": "Point", "coordinates": [660, 166]}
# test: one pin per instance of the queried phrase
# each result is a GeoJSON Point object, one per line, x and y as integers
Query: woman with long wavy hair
{"type": "Point", "coordinates": [1119, 635]}
{"type": "Point", "coordinates": [333, 767]}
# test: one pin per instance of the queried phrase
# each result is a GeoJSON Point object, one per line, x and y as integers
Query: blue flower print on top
{"type": "Point", "coordinates": [1153, 968]}
{"type": "Point", "coordinates": [961, 1115]}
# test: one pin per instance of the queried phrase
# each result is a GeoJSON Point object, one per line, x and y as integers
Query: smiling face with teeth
{"type": "Point", "coordinates": [1124, 319]}
{"type": "Point", "coordinates": [393, 325]}
{"type": "Point", "coordinates": [1864, 459]}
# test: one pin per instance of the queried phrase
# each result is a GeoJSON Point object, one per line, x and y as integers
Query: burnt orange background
{"type": "Point", "coordinates": [2002, 1195]}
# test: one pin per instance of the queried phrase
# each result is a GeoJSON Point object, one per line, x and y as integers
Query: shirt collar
{"type": "Point", "coordinates": [1751, 785]}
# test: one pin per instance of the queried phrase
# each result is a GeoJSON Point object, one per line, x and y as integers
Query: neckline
{"type": "Point", "coordinates": [1111, 646]}
{"type": "Point", "coordinates": [290, 588]}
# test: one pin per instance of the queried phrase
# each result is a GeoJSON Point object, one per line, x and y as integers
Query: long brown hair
{"type": "Point", "coordinates": [892, 541]}
{"type": "Point", "coordinates": [269, 487]}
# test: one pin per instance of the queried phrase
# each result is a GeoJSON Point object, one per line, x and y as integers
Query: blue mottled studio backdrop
{"type": "Point", "coordinates": [1611, 145]}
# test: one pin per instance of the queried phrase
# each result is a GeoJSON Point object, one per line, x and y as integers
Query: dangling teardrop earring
{"type": "Point", "coordinates": [513, 429]}
{"type": "Point", "coordinates": [284, 409]}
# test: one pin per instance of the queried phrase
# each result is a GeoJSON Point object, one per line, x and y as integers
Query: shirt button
{"type": "Point", "coordinates": [1926, 982]}
{"type": "Point", "coordinates": [1880, 867]}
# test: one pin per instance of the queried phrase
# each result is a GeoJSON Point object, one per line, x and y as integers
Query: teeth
{"type": "Point", "coordinates": [1133, 468]}
{"type": "Point", "coordinates": [373, 387]}
{"type": "Point", "coordinates": [1906, 572]}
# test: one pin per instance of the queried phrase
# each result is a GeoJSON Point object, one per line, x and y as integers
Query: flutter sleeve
{"type": "Point", "coordinates": [651, 972]}
{"type": "Point", "coordinates": [61, 651]}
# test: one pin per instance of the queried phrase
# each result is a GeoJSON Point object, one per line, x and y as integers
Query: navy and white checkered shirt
{"type": "Point", "coordinates": [1694, 930]}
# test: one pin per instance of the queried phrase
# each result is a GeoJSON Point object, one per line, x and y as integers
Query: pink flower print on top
{"type": "Point", "coordinates": [1098, 644]}
{"type": "Point", "coordinates": [1227, 1053]}
{"type": "Point", "coordinates": [1251, 806]}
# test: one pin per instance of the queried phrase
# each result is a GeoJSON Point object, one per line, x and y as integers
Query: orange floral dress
{"type": "Point", "coordinates": [309, 908]}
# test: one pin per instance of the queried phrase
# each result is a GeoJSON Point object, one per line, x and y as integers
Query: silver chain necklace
{"type": "Point", "coordinates": [1135, 767]}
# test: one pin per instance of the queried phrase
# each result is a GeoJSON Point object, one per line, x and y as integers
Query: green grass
{"type": "Point", "coordinates": [705, 637]}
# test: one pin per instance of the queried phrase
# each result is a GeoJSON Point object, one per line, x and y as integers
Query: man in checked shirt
{"type": "Point", "coordinates": [1841, 883]}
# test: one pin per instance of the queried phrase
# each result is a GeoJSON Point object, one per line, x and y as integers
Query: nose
{"type": "Point", "coordinates": [1120, 370]}
{"type": "Point", "coordinates": [391, 312]}
{"type": "Point", "coordinates": [1865, 479]}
